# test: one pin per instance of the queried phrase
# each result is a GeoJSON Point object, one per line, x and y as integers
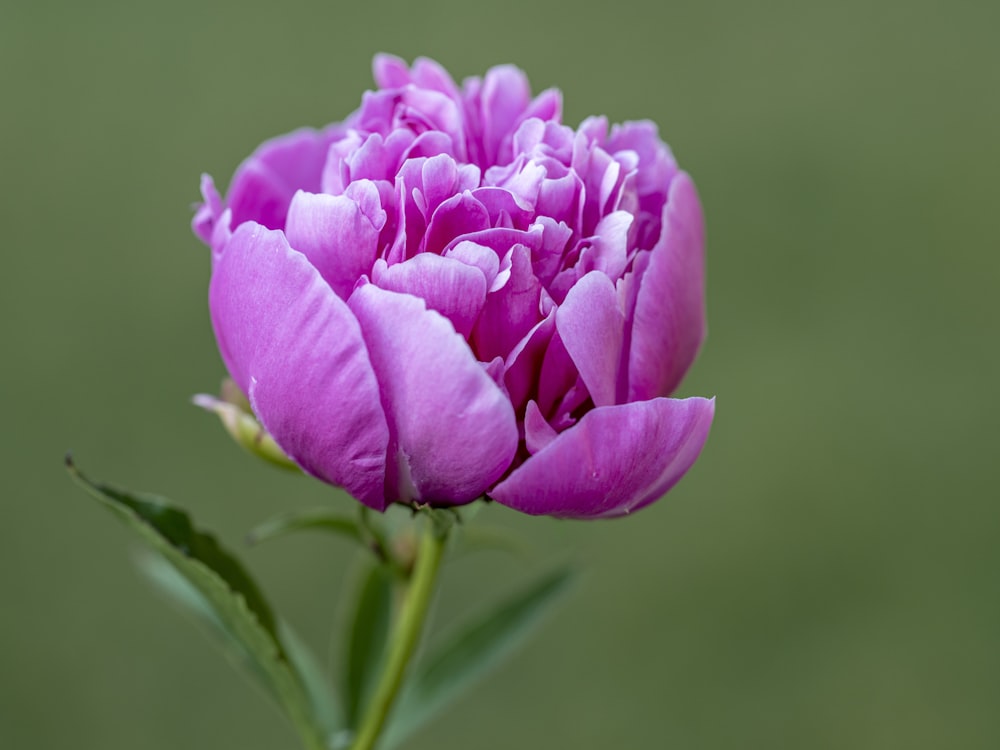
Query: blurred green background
{"type": "Point", "coordinates": [828, 575]}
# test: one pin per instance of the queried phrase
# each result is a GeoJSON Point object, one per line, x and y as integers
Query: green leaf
{"type": "Point", "coordinates": [211, 582]}
{"type": "Point", "coordinates": [366, 637]}
{"type": "Point", "coordinates": [181, 592]}
{"type": "Point", "coordinates": [319, 519]}
{"type": "Point", "coordinates": [449, 670]}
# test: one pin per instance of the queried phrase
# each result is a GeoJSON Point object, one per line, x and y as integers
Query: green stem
{"type": "Point", "coordinates": [405, 636]}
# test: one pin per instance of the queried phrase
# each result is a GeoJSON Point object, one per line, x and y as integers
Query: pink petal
{"type": "Point", "coordinates": [609, 252]}
{"type": "Point", "coordinates": [389, 71]}
{"type": "Point", "coordinates": [505, 96]}
{"type": "Point", "coordinates": [557, 374]}
{"type": "Point", "coordinates": [511, 311]}
{"type": "Point", "coordinates": [591, 327]}
{"type": "Point", "coordinates": [669, 318]}
{"type": "Point", "coordinates": [537, 432]}
{"type": "Point", "coordinates": [296, 350]}
{"type": "Point", "coordinates": [453, 431]}
{"type": "Point", "coordinates": [523, 364]}
{"type": "Point", "coordinates": [264, 184]}
{"type": "Point", "coordinates": [452, 288]}
{"type": "Point", "coordinates": [615, 460]}
{"type": "Point", "coordinates": [334, 233]}
{"type": "Point", "coordinates": [476, 256]}
{"type": "Point", "coordinates": [458, 216]}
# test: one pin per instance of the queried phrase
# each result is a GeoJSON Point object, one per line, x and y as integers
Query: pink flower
{"type": "Point", "coordinates": [452, 294]}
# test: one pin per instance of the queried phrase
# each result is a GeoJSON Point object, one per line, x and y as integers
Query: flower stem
{"type": "Point", "coordinates": [405, 635]}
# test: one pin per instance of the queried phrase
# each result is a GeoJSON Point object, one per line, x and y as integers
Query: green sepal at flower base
{"type": "Point", "coordinates": [233, 410]}
{"type": "Point", "coordinates": [208, 581]}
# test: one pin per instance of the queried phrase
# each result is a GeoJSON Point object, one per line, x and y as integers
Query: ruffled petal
{"type": "Point", "coordinates": [612, 462]}
{"type": "Point", "coordinates": [296, 350]}
{"type": "Point", "coordinates": [656, 166]}
{"type": "Point", "coordinates": [452, 428]}
{"type": "Point", "coordinates": [669, 318]}
{"type": "Point", "coordinates": [609, 251]}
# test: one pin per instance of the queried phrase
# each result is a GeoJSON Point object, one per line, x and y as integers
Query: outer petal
{"type": "Point", "coordinates": [453, 429]}
{"type": "Point", "coordinates": [669, 320]}
{"type": "Point", "coordinates": [614, 461]}
{"type": "Point", "coordinates": [208, 212]}
{"type": "Point", "coordinates": [297, 351]}
{"type": "Point", "coordinates": [264, 184]}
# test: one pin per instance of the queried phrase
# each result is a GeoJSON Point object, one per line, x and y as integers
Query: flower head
{"type": "Point", "coordinates": [452, 294]}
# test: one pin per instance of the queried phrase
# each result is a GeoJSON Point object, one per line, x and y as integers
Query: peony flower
{"type": "Point", "coordinates": [451, 294]}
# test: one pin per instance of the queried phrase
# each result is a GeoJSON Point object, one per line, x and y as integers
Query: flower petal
{"type": "Point", "coordinates": [264, 184]}
{"type": "Point", "coordinates": [453, 429]}
{"type": "Point", "coordinates": [476, 256]}
{"type": "Point", "coordinates": [669, 319]}
{"type": "Point", "coordinates": [296, 350]}
{"type": "Point", "coordinates": [336, 236]}
{"type": "Point", "coordinates": [511, 311]}
{"type": "Point", "coordinates": [525, 361]}
{"type": "Point", "coordinates": [458, 216]}
{"type": "Point", "coordinates": [452, 288]}
{"type": "Point", "coordinates": [615, 460]}
{"type": "Point", "coordinates": [503, 100]}
{"type": "Point", "coordinates": [592, 327]}
{"type": "Point", "coordinates": [537, 432]}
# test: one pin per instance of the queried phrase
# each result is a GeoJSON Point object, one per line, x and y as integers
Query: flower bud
{"type": "Point", "coordinates": [233, 409]}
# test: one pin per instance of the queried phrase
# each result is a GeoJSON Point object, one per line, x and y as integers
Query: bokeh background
{"type": "Point", "coordinates": [828, 575]}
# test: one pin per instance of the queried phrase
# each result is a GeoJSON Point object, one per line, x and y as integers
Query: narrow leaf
{"type": "Point", "coordinates": [220, 588]}
{"type": "Point", "coordinates": [366, 637]}
{"type": "Point", "coordinates": [188, 598]}
{"type": "Point", "coordinates": [449, 670]}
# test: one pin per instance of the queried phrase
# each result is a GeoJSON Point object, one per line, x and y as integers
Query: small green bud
{"type": "Point", "coordinates": [233, 409]}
